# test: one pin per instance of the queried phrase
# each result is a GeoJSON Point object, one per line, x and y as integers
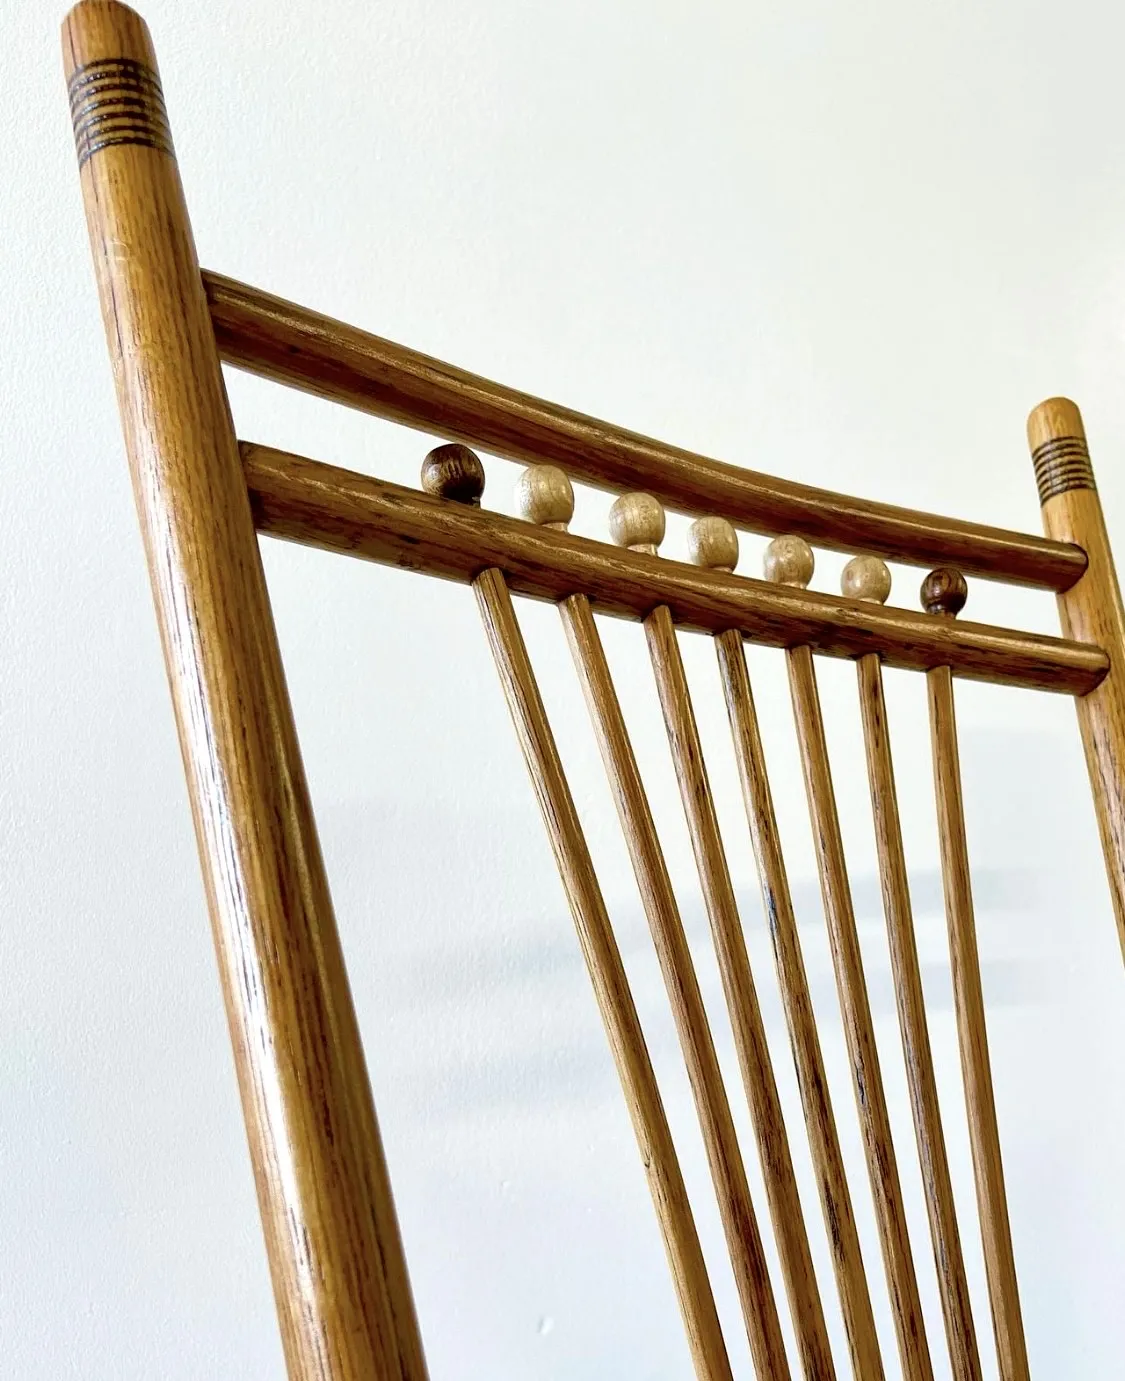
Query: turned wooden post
{"type": "Point", "coordinates": [1090, 611]}
{"type": "Point", "coordinates": [333, 1242]}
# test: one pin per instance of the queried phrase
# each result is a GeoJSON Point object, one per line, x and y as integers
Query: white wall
{"type": "Point", "coordinates": [851, 245]}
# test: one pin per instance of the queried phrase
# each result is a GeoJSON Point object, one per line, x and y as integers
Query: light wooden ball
{"type": "Point", "coordinates": [713, 542]}
{"type": "Point", "coordinates": [545, 495]}
{"type": "Point", "coordinates": [789, 560]}
{"type": "Point", "coordinates": [944, 591]}
{"type": "Point", "coordinates": [453, 472]}
{"type": "Point", "coordinates": [867, 578]}
{"type": "Point", "coordinates": [636, 521]}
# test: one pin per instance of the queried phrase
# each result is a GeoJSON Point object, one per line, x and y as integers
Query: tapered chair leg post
{"type": "Point", "coordinates": [1090, 611]}
{"type": "Point", "coordinates": [332, 1238]}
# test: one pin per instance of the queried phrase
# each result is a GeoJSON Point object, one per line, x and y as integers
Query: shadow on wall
{"type": "Point", "coordinates": [530, 1233]}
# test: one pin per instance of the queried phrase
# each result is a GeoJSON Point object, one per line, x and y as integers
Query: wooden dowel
{"type": "Point", "coordinates": [791, 560]}
{"type": "Point", "coordinates": [868, 578]}
{"type": "Point", "coordinates": [943, 594]}
{"type": "Point", "coordinates": [447, 471]}
{"type": "Point", "coordinates": [332, 1237]}
{"type": "Point", "coordinates": [637, 521]}
{"type": "Point", "coordinates": [279, 340]}
{"type": "Point", "coordinates": [338, 510]}
{"type": "Point", "coordinates": [546, 498]}
{"type": "Point", "coordinates": [1091, 609]}
{"type": "Point", "coordinates": [847, 1261]}
{"type": "Point", "coordinates": [858, 1027]}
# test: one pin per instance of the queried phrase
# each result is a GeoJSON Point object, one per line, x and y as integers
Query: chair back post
{"type": "Point", "coordinates": [1090, 611]}
{"type": "Point", "coordinates": [332, 1238]}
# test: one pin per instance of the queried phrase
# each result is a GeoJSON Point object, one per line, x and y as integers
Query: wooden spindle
{"type": "Point", "coordinates": [943, 594]}
{"type": "Point", "coordinates": [789, 560]}
{"type": "Point", "coordinates": [542, 499]}
{"type": "Point", "coordinates": [332, 1237]}
{"type": "Point", "coordinates": [637, 522]}
{"type": "Point", "coordinates": [711, 547]}
{"type": "Point", "coordinates": [867, 578]}
{"type": "Point", "coordinates": [455, 472]}
{"type": "Point", "coordinates": [1089, 611]}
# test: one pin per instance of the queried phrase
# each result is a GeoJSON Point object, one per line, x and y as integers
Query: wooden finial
{"type": "Point", "coordinates": [636, 521]}
{"type": "Point", "coordinates": [944, 592]}
{"type": "Point", "coordinates": [453, 472]}
{"type": "Point", "coordinates": [789, 560]}
{"type": "Point", "coordinates": [713, 542]}
{"type": "Point", "coordinates": [544, 495]}
{"type": "Point", "coordinates": [867, 578]}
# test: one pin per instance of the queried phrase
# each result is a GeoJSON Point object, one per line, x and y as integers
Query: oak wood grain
{"type": "Point", "coordinates": [1090, 611]}
{"type": "Point", "coordinates": [743, 1007]}
{"type": "Point", "coordinates": [607, 974]}
{"type": "Point", "coordinates": [859, 1031]}
{"type": "Point", "coordinates": [280, 340]}
{"type": "Point", "coordinates": [812, 1080]}
{"type": "Point", "coordinates": [953, 1285]}
{"type": "Point", "coordinates": [972, 1034]}
{"type": "Point", "coordinates": [338, 510]}
{"type": "Point", "coordinates": [332, 1238]}
{"type": "Point", "coordinates": [717, 1124]}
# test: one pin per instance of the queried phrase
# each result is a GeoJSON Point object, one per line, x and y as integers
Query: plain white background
{"type": "Point", "coordinates": [851, 245]}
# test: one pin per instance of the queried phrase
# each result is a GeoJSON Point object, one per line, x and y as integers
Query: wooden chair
{"type": "Point", "coordinates": [334, 1247]}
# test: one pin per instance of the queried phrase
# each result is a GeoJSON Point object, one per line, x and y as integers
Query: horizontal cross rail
{"type": "Point", "coordinates": [293, 345]}
{"type": "Point", "coordinates": [338, 510]}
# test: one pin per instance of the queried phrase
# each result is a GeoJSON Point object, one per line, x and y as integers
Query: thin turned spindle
{"type": "Point", "coordinates": [867, 578]}
{"type": "Point", "coordinates": [943, 594]}
{"type": "Point", "coordinates": [332, 1237]}
{"type": "Point", "coordinates": [637, 522]}
{"type": "Point", "coordinates": [713, 544]}
{"type": "Point", "coordinates": [454, 472]}
{"type": "Point", "coordinates": [789, 561]}
{"type": "Point", "coordinates": [545, 497]}
{"type": "Point", "coordinates": [1089, 611]}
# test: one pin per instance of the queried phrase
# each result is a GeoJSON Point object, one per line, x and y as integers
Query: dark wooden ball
{"type": "Point", "coordinates": [944, 592]}
{"type": "Point", "coordinates": [453, 472]}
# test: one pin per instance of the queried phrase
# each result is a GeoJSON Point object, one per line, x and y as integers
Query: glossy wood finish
{"type": "Point", "coordinates": [740, 992]}
{"type": "Point", "coordinates": [338, 510]}
{"type": "Point", "coordinates": [859, 1030]}
{"type": "Point", "coordinates": [716, 1123]}
{"type": "Point", "coordinates": [542, 498]}
{"type": "Point", "coordinates": [953, 1286]}
{"type": "Point", "coordinates": [453, 473]}
{"type": "Point", "coordinates": [1090, 611]}
{"type": "Point", "coordinates": [607, 973]}
{"type": "Point", "coordinates": [293, 345]}
{"type": "Point", "coordinates": [820, 1121]}
{"type": "Point", "coordinates": [976, 1070]}
{"type": "Point", "coordinates": [332, 1238]}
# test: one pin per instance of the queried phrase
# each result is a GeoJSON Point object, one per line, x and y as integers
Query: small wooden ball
{"type": "Point", "coordinates": [713, 542]}
{"type": "Point", "coordinates": [944, 591]}
{"type": "Point", "coordinates": [453, 472]}
{"type": "Point", "coordinates": [544, 495]}
{"type": "Point", "coordinates": [636, 521]}
{"type": "Point", "coordinates": [789, 560]}
{"type": "Point", "coordinates": [867, 578]}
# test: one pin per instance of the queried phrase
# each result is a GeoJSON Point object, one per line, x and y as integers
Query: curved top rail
{"type": "Point", "coordinates": [277, 339]}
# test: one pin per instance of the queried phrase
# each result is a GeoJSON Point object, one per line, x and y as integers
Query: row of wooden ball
{"type": "Point", "coordinates": [545, 496]}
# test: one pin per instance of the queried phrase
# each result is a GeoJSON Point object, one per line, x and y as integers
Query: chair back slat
{"type": "Point", "coordinates": [738, 984]}
{"type": "Point", "coordinates": [859, 1031]}
{"type": "Point", "coordinates": [607, 974]}
{"type": "Point", "coordinates": [972, 1035]}
{"type": "Point", "coordinates": [953, 1286]}
{"type": "Point", "coordinates": [812, 1079]}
